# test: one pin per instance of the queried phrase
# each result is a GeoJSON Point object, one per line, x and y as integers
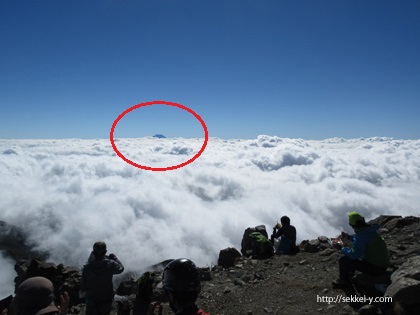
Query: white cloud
{"type": "Point", "coordinates": [67, 194]}
{"type": "Point", "coordinates": [7, 277]}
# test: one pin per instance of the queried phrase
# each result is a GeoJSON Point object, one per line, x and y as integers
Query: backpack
{"type": "Point", "coordinates": [246, 244]}
{"type": "Point", "coordinates": [261, 246]}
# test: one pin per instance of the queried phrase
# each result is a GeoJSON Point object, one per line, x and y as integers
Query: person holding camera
{"type": "Point", "coordinates": [96, 280]}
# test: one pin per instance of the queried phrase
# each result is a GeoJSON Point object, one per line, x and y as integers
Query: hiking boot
{"type": "Point", "coordinates": [341, 284]}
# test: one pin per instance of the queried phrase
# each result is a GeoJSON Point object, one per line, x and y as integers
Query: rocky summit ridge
{"type": "Point", "coordinates": [286, 284]}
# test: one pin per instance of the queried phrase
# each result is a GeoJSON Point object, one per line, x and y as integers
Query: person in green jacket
{"type": "Point", "coordinates": [368, 253]}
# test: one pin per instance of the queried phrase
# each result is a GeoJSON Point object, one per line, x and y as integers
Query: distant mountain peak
{"type": "Point", "coordinates": [159, 136]}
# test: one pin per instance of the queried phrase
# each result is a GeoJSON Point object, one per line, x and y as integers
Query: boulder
{"type": "Point", "coordinates": [405, 286]}
{"type": "Point", "coordinates": [383, 219]}
{"type": "Point", "coordinates": [127, 287]}
{"type": "Point", "coordinates": [311, 246]}
{"type": "Point", "coordinates": [323, 239]}
{"type": "Point", "coordinates": [64, 278]}
{"type": "Point", "coordinates": [227, 257]}
{"type": "Point", "coordinates": [398, 222]}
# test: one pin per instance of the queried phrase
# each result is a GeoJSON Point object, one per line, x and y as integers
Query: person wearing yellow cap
{"type": "Point", "coordinates": [368, 253]}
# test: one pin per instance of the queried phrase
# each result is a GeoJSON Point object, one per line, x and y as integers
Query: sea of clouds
{"type": "Point", "coordinates": [67, 194]}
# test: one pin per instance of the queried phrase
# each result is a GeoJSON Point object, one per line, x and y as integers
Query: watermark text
{"type": "Point", "coordinates": [340, 298]}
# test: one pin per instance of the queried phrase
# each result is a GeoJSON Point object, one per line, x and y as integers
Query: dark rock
{"type": "Point", "coordinates": [309, 246]}
{"type": "Point", "coordinates": [391, 224]}
{"type": "Point", "coordinates": [239, 282]}
{"type": "Point", "coordinates": [227, 257]}
{"type": "Point", "coordinates": [314, 243]}
{"type": "Point", "coordinates": [127, 287]}
{"type": "Point", "coordinates": [406, 221]}
{"type": "Point", "coordinates": [64, 278]}
{"type": "Point", "coordinates": [42, 269]}
{"type": "Point", "coordinates": [398, 222]}
{"type": "Point", "coordinates": [383, 231]}
{"type": "Point", "coordinates": [204, 274]}
{"type": "Point", "coordinates": [323, 239]}
{"type": "Point", "coordinates": [405, 286]}
{"type": "Point", "coordinates": [247, 277]}
{"type": "Point", "coordinates": [259, 275]}
{"type": "Point", "coordinates": [383, 219]}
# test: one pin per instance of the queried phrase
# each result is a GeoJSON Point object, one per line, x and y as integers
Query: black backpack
{"type": "Point", "coordinates": [247, 241]}
{"type": "Point", "coordinates": [261, 246]}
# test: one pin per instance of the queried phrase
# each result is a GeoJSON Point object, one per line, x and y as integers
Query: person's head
{"type": "Point", "coordinates": [35, 296]}
{"type": "Point", "coordinates": [99, 249]}
{"type": "Point", "coordinates": [285, 220]}
{"type": "Point", "coordinates": [356, 220]}
{"type": "Point", "coordinates": [181, 282]}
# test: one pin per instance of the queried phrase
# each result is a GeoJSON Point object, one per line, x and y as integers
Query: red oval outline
{"type": "Point", "coordinates": [159, 169]}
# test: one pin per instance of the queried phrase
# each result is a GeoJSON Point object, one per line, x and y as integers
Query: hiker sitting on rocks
{"type": "Point", "coordinates": [284, 236]}
{"type": "Point", "coordinates": [182, 285]}
{"type": "Point", "coordinates": [96, 280]}
{"type": "Point", "coordinates": [36, 296]}
{"type": "Point", "coordinates": [368, 254]}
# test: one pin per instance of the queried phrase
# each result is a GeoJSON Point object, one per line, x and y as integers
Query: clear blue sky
{"type": "Point", "coordinates": [300, 69]}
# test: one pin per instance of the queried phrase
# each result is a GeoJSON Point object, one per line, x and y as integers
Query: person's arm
{"type": "Point", "coordinates": [278, 233]}
{"type": "Point", "coordinates": [117, 266]}
{"type": "Point", "coordinates": [358, 249]}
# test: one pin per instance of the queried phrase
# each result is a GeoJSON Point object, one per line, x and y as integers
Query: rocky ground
{"type": "Point", "coordinates": [290, 284]}
{"type": "Point", "coordinates": [279, 285]}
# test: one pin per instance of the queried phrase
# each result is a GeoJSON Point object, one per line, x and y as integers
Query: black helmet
{"type": "Point", "coordinates": [181, 275]}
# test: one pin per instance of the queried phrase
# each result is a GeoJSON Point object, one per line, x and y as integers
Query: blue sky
{"type": "Point", "coordinates": [299, 69]}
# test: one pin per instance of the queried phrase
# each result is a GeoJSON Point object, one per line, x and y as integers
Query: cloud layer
{"type": "Point", "coordinates": [67, 194]}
